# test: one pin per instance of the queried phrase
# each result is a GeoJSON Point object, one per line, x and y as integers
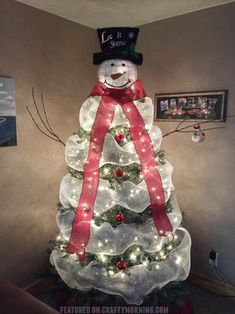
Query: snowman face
{"type": "Point", "coordinates": [117, 73]}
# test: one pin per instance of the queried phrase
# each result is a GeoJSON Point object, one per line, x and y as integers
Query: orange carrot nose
{"type": "Point", "coordinates": [115, 76]}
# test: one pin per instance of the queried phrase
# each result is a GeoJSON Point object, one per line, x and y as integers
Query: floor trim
{"type": "Point", "coordinates": [212, 285]}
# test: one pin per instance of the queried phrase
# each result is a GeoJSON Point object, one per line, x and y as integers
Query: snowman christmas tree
{"type": "Point", "coordinates": [119, 219]}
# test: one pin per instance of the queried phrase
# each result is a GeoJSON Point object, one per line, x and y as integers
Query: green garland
{"type": "Point", "coordinates": [130, 216]}
{"type": "Point", "coordinates": [119, 129]}
{"type": "Point", "coordinates": [134, 255]}
{"type": "Point", "coordinates": [125, 131]}
{"type": "Point", "coordinates": [131, 172]}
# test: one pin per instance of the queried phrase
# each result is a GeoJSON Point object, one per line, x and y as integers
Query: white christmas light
{"type": "Point", "coordinates": [145, 263]}
{"type": "Point", "coordinates": [133, 257]}
{"type": "Point", "coordinates": [103, 258]}
{"type": "Point", "coordinates": [178, 260]}
{"type": "Point", "coordinates": [111, 272]}
{"type": "Point", "coordinates": [106, 171]}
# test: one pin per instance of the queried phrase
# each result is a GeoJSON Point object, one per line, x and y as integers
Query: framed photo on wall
{"type": "Point", "coordinates": [7, 112]}
{"type": "Point", "coordinates": [191, 106]}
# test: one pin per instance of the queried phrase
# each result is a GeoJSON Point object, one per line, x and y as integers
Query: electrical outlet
{"type": "Point", "coordinates": [214, 258]}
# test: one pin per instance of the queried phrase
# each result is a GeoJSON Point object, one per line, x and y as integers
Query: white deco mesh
{"type": "Point", "coordinates": [141, 279]}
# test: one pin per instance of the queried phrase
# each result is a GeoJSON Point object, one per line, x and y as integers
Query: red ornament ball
{"type": "Point", "coordinates": [120, 218]}
{"type": "Point", "coordinates": [197, 127]}
{"type": "Point", "coordinates": [121, 265]}
{"type": "Point", "coordinates": [119, 137]}
{"type": "Point", "coordinates": [119, 172]}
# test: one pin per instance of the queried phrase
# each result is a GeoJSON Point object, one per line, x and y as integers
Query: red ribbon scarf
{"type": "Point", "coordinates": [110, 98]}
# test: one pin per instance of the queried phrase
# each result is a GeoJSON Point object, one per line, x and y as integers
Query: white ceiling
{"type": "Point", "coordinates": [106, 13]}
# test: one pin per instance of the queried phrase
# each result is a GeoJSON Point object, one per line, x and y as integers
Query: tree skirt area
{"type": "Point", "coordinates": [172, 299]}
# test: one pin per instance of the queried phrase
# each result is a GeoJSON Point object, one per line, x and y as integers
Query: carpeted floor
{"type": "Point", "coordinates": [204, 301]}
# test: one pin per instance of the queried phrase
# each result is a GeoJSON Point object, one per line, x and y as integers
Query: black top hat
{"type": "Point", "coordinates": [117, 43]}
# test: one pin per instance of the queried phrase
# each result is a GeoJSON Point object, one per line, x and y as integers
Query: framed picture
{"type": "Point", "coordinates": [191, 106]}
{"type": "Point", "coordinates": [7, 112]}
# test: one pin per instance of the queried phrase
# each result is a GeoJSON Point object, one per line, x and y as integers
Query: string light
{"type": "Point", "coordinates": [178, 260]}
{"type": "Point", "coordinates": [111, 272]}
{"type": "Point", "coordinates": [133, 257]}
{"type": "Point", "coordinates": [162, 253]}
{"type": "Point", "coordinates": [58, 238]}
{"type": "Point", "coordinates": [102, 257]}
{"type": "Point", "coordinates": [145, 263]}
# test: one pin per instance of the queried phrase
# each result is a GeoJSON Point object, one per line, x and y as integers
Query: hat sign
{"type": "Point", "coordinates": [117, 43]}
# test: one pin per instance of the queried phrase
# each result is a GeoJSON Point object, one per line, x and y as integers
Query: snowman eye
{"type": "Point", "coordinates": [112, 64]}
{"type": "Point", "coordinates": [123, 64]}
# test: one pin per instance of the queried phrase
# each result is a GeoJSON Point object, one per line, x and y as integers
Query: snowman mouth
{"type": "Point", "coordinates": [118, 85]}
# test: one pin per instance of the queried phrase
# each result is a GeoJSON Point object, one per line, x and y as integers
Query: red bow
{"type": "Point", "coordinates": [110, 99]}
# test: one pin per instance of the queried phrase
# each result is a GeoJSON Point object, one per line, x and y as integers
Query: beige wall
{"type": "Point", "coordinates": [187, 53]}
{"type": "Point", "coordinates": [196, 52]}
{"type": "Point", "coordinates": [55, 56]}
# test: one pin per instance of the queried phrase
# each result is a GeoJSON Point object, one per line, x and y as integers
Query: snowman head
{"type": "Point", "coordinates": [117, 73]}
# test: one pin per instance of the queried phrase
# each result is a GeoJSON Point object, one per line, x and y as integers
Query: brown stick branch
{"type": "Point", "coordinates": [177, 130]}
{"type": "Point", "coordinates": [52, 135]}
{"type": "Point", "coordinates": [39, 126]}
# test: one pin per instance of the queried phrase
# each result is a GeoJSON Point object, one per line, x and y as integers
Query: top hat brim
{"type": "Point", "coordinates": [99, 57]}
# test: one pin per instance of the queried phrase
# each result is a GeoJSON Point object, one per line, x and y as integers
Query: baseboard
{"type": "Point", "coordinates": [38, 286]}
{"type": "Point", "coordinates": [212, 285]}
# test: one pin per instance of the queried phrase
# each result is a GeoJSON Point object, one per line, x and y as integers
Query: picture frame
{"type": "Point", "coordinates": [191, 106]}
{"type": "Point", "coordinates": [8, 136]}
